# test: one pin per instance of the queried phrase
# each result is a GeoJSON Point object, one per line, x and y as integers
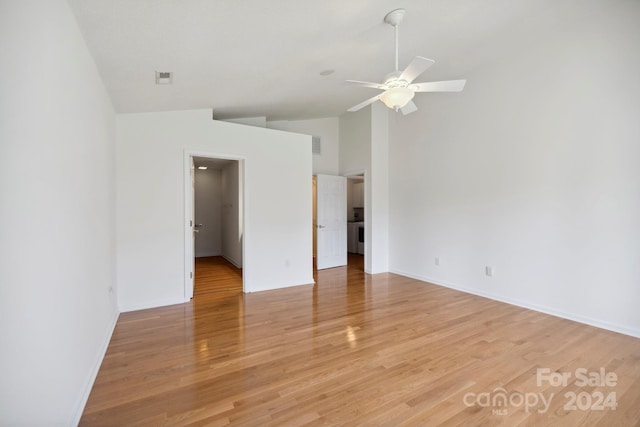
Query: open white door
{"type": "Point", "coordinates": [331, 205]}
{"type": "Point", "coordinates": [191, 260]}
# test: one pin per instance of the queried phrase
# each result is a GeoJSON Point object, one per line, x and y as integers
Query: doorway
{"type": "Point", "coordinates": [215, 225]}
{"type": "Point", "coordinates": [356, 221]}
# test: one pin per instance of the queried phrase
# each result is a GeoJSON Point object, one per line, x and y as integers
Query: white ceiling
{"type": "Point", "coordinates": [248, 58]}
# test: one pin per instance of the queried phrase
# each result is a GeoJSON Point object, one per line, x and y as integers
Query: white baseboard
{"type": "Point", "coordinates": [232, 261]}
{"type": "Point", "coordinates": [94, 372]}
{"type": "Point", "coordinates": [524, 304]}
{"type": "Point", "coordinates": [204, 254]}
{"type": "Point", "coordinates": [151, 304]}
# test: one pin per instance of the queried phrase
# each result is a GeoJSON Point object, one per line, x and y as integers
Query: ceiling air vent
{"type": "Point", "coordinates": [164, 77]}
{"type": "Point", "coordinates": [315, 145]}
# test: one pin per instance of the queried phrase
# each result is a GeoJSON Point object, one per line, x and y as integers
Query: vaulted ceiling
{"type": "Point", "coordinates": [265, 57]}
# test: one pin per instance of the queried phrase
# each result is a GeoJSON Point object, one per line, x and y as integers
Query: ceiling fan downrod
{"type": "Point", "coordinates": [395, 27]}
{"type": "Point", "coordinates": [394, 18]}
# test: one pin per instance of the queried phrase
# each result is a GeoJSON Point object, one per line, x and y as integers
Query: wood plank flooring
{"type": "Point", "coordinates": [216, 277]}
{"type": "Point", "coordinates": [356, 349]}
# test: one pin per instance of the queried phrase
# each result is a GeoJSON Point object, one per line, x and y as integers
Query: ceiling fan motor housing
{"type": "Point", "coordinates": [392, 80]}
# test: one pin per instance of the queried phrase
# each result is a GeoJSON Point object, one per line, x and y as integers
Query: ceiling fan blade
{"type": "Point", "coordinates": [364, 104]}
{"type": "Point", "coordinates": [444, 86]}
{"type": "Point", "coordinates": [367, 84]}
{"type": "Point", "coordinates": [418, 66]}
{"type": "Point", "coordinates": [409, 108]}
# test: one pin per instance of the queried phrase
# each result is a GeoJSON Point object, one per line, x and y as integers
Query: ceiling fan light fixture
{"type": "Point", "coordinates": [397, 97]}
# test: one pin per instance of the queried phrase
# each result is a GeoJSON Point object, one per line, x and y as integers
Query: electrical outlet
{"type": "Point", "coordinates": [437, 261]}
{"type": "Point", "coordinates": [489, 270]}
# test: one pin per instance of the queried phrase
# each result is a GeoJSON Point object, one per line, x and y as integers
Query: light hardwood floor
{"type": "Point", "coordinates": [355, 350]}
{"type": "Point", "coordinates": [215, 277]}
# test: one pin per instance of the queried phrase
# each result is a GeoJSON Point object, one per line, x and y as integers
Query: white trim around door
{"type": "Point", "coordinates": [189, 254]}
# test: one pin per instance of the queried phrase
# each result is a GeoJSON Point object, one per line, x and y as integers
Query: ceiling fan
{"type": "Point", "coordinates": [398, 86]}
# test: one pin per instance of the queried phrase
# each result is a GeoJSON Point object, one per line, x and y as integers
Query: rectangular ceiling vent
{"type": "Point", "coordinates": [164, 77]}
{"type": "Point", "coordinates": [315, 145]}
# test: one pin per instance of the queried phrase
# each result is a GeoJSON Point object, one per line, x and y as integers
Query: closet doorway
{"type": "Point", "coordinates": [216, 226]}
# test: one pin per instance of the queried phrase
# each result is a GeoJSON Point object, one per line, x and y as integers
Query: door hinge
{"type": "Point", "coordinates": [191, 275]}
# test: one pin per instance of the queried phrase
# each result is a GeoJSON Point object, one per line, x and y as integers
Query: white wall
{"type": "Point", "coordinates": [150, 202]}
{"type": "Point", "coordinates": [208, 211]}
{"type": "Point", "coordinates": [533, 170]}
{"type": "Point", "coordinates": [327, 162]}
{"type": "Point", "coordinates": [57, 179]}
{"type": "Point", "coordinates": [232, 195]}
{"type": "Point", "coordinates": [260, 121]}
{"type": "Point", "coordinates": [355, 141]}
{"type": "Point", "coordinates": [378, 225]}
